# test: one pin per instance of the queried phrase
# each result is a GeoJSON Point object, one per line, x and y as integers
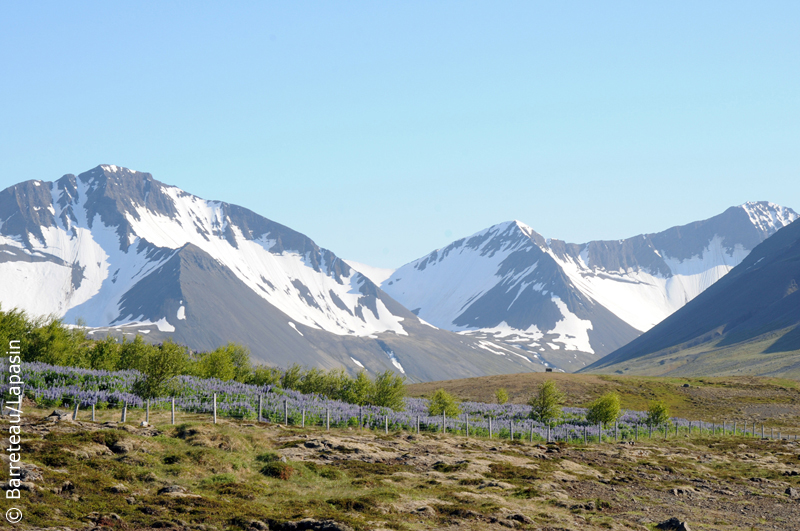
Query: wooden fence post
{"type": "Point", "coordinates": [417, 424]}
{"type": "Point", "coordinates": [285, 411]}
{"type": "Point", "coordinates": [125, 412]}
{"type": "Point", "coordinates": [75, 413]}
{"type": "Point", "coordinates": [215, 408]}
{"type": "Point", "coordinates": [93, 413]}
{"type": "Point", "coordinates": [147, 413]}
{"type": "Point", "coordinates": [386, 426]}
{"type": "Point", "coordinates": [173, 410]}
{"type": "Point", "coordinates": [328, 418]}
{"type": "Point", "coordinates": [260, 407]}
{"type": "Point", "coordinates": [303, 425]}
{"type": "Point", "coordinates": [467, 415]}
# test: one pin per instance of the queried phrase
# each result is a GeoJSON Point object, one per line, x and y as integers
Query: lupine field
{"type": "Point", "coordinates": [54, 386]}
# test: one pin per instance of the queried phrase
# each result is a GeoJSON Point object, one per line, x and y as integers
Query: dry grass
{"type": "Point", "coordinates": [774, 401]}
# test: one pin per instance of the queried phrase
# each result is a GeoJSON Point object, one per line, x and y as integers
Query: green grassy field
{"type": "Point", "coordinates": [752, 357]}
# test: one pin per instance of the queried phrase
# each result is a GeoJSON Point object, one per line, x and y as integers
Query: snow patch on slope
{"type": "Point", "coordinates": [375, 274]}
{"type": "Point", "coordinates": [643, 299]}
{"type": "Point", "coordinates": [573, 332]}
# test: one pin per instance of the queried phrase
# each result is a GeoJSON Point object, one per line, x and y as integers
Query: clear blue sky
{"type": "Point", "coordinates": [385, 130]}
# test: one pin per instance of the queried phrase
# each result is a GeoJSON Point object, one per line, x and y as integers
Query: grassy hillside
{"type": "Point", "coordinates": [774, 401]}
{"type": "Point", "coordinates": [757, 357]}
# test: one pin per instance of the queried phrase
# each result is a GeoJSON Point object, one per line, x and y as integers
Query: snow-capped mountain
{"type": "Point", "coordinates": [747, 323]}
{"type": "Point", "coordinates": [122, 251]}
{"type": "Point", "coordinates": [570, 304]}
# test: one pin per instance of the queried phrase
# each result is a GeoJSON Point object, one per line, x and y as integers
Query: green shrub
{"type": "Point", "coordinates": [159, 366]}
{"type": "Point", "coordinates": [278, 470]}
{"type": "Point", "coordinates": [442, 401]}
{"type": "Point", "coordinates": [262, 375]}
{"type": "Point", "coordinates": [105, 354]}
{"type": "Point", "coordinates": [605, 409]}
{"type": "Point", "coordinates": [388, 390]}
{"type": "Point", "coordinates": [657, 414]}
{"type": "Point", "coordinates": [268, 457]}
{"type": "Point", "coordinates": [546, 403]}
{"type": "Point", "coordinates": [357, 390]}
{"type": "Point", "coordinates": [501, 395]}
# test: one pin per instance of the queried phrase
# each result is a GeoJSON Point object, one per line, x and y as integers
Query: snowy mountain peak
{"type": "Point", "coordinates": [114, 169]}
{"type": "Point", "coordinates": [768, 217]}
{"type": "Point", "coordinates": [101, 233]}
{"type": "Point", "coordinates": [561, 299]}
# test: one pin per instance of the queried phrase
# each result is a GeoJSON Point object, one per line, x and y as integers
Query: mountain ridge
{"type": "Point", "coordinates": [583, 300]}
{"type": "Point", "coordinates": [757, 303]}
{"type": "Point", "coordinates": [126, 253]}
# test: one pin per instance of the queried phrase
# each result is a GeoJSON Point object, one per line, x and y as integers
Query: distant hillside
{"type": "Point", "coordinates": [746, 323]}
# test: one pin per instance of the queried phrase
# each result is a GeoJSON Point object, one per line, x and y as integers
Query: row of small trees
{"type": "Point", "coordinates": [47, 340]}
{"type": "Point", "coordinates": [547, 403]}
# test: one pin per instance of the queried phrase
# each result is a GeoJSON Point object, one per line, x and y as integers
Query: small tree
{"type": "Point", "coordinates": [442, 401]}
{"type": "Point", "coordinates": [657, 413]}
{"type": "Point", "coordinates": [105, 354]}
{"type": "Point", "coordinates": [215, 364]}
{"type": "Point", "coordinates": [358, 389]}
{"type": "Point", "coordinates": [501, 395]}
{"type": "Point", "coordinates": [264, 375]}
{"type": "Point", "coordinates": [292, 377]}
{"type": "Point", "coordinates": [133, 354]}
{"type": "Point", "coordinates": [388, 390]}
{"type": "Point", "coordinates": [604, 410]}
{"type": "Point", "coordinates": [547, 402]}
{"type": "Point", "coordinates": [159, 368]}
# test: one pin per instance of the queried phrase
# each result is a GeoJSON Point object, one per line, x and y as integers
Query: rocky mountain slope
{"type": "Point", "coordinates": [570, 304]}
{"type": "Point", "coordinates": [126, 253]}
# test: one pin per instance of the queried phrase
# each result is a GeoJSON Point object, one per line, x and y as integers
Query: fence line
{"type": "Point", "coordinates": [373, 418]}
